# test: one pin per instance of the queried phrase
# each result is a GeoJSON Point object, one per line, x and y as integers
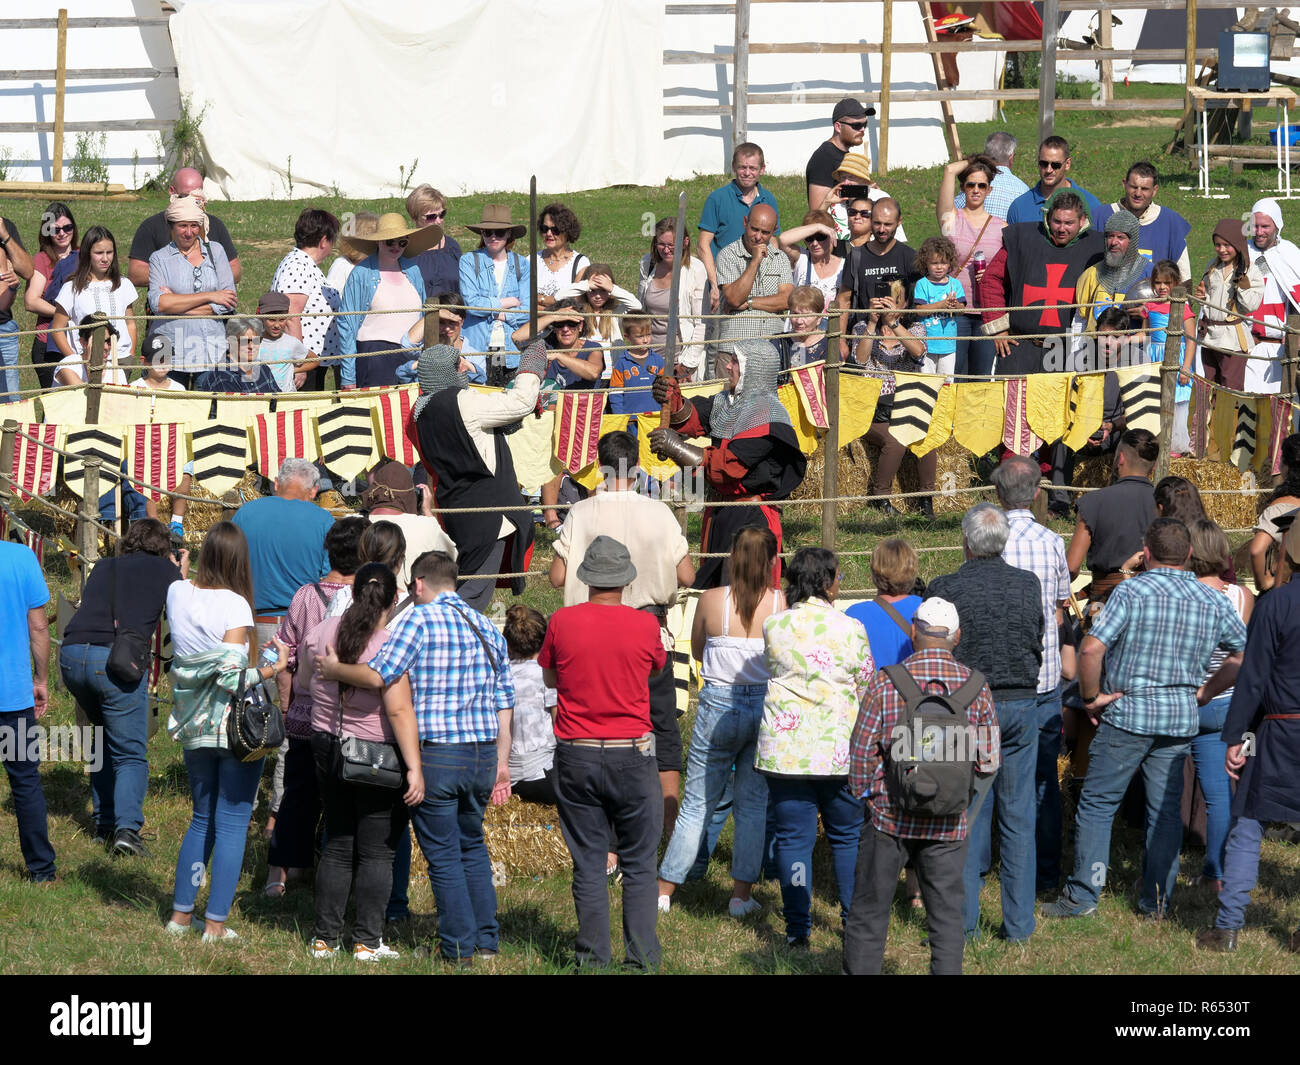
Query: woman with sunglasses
{"type": "Point", "coordinates": [440, 265]}
{"type": "Point", "coordinates": [58, 250]}
{"type": "Point", "coordinates": [191, 278]}
{"type": "Point", "coordinates": [654, 291]}
{"type": "Point", "coordinates": [388, 283]}
{"type": "Point", "coordinates": [558, 264]}
{"type": "Point", "coordinates": [817, 266]}
{"type": "Point", "coordinates": [493, 276]}
{"type": "Point", "coordinates": [96, 285]}
{"type": "Point", "coordinates": [977, 235]}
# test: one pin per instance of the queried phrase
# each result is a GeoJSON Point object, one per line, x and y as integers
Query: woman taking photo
{"type": "Point", "coordinates": [655, 290]}
{"type": "Point", "coordinates": [977, 236]}
{"type": "Point", "coordinates": [191, 277]}
{"type": "Point", "coordinates": [820, 667]}
{"type": "Point", "coordinates": [495, 277]}
{"type": "Point", "coordinates": [58, 242]}
{"type": "Point", "coordinates": [211, 620]}
{"type": "Point", "coordinates": [96, 286]}
{"type": "Point", "coordinates": [363, 823]}
{"type": "Point", "coordinates": [558, 264]}
{"type": "Point", "coordinates": [125, 593]}
{"type": "Point", "coordinates": [727, 639]}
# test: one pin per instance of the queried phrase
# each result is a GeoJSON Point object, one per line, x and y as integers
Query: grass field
{"type": "Point", "coordinates": [107, 916]}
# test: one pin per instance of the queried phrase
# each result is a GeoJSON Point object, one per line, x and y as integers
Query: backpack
{"type": "Point", "coordinates": [931, 770]}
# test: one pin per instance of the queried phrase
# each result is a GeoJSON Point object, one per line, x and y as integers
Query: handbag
{"type": "Point", "coordinates": [128, 656]}
{"type": "Point", "coordinates": [254, 726]}
{"type": "Point", "coordinates": [372, 763]}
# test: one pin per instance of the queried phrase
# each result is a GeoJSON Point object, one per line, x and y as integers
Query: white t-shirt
{"type": "Point", "coordinates": [99, 296]}
{"type": "Point", "coordinates": [806, 274]}
{"type": "Point", "coordinates": [171, 385]}
{"type": "Point", "coordinates": [113, 374]}
{"type": "Point", "coordinates": [200, 617]}
{"type": "Point", "coordinates": [338, 273]}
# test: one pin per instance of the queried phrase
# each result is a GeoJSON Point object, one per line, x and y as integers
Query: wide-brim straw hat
{"type": "Point", "coordinates": [497, 216]}
{"type": "Point", "coordinates": [394, 227]}
{"type": "Point", "coordinates": [857, 165]}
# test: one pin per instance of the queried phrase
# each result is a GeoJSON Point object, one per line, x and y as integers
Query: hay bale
{"type": "Point", "coordinates": [525, 838]}
{"type": "Point", "coordinates": [856, 472]}
{"type": "Point", "coordinates": [1236, 508]}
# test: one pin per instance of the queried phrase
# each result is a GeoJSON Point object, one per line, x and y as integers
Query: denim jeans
{"type": "Point", "coordinates": [797, 803]}
{"type": "Point", "coordinates": [117, 789]}
{"type": "Point", "coordinates": [975, 352]}
{"type": "Point", "coordinates": [223, 789]}
{"type": "Point", "coordinates": [9, 361]}
{"type": "Point", "coordinates": [1240, 871]}
{"type": "Point", "coordinates": [458, 780]}
{"type": "Point", "coordinates": [610, 798]}
{"type": "Point", "coordinates": [399, 896]}
{"type": "Point", "coordinates": [1012, 798]}
{"type": "Point", "coordinates": [132, 502]}
{"type": "Point", "coordinates": [1208, 754]}
{"type": "Point", "coordinates": [1047, 791]}
{"type": "Point", "coordinates": [29, 800]}
{"type": "Point", "coordinates": [722, 746]}
{"type": "Point", "coordinates": [1114, 757]}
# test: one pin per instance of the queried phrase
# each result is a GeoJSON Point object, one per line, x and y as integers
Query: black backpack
{"type": "Point", "coordinates": [932, 755]}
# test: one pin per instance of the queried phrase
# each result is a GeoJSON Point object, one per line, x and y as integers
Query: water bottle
{"type": "Point", "coordinates": [270, 655]}
{"type": "Point", "coordinates": [977, 263]}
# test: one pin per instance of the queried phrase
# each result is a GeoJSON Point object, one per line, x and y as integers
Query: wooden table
{"type": "Point", "coordinates": [1283, 97]}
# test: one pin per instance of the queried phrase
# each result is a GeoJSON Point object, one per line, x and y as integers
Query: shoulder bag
{"type": "Point", "coordinates": [254, 726]}
{"type": "Point", "coordinates": [128, 656]}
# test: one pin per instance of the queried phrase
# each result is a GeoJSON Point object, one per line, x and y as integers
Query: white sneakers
{"type": "Point", "coordinates": [321, 949]}
{"type": "Point", "coordinates": [227, 936]}
{"type": "Point", "coordinates": [743, 907]}
{"type": "Point", "coordinates": [360, 952]}
{"type": "Point", "coordinates": [665, 903]}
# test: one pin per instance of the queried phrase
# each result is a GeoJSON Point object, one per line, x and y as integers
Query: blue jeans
{"type": "Point", "coordinates": [1047, 791]}
{"type": "Point", "coordinates": [132, 502]}
{"type": "Point", "coordinates": [1240, 871]}
{"type": "Point", "coordinates": [797, 803]}
{"type": "Point", "coordinates": [223, 789]}
{"type": "Point", "coordinates": [458, 779]}
{"type": "Point", "coordinates": [722, 745]}
{"type": "Point", "coordinates": [1208, 753]}
{"type": "Point", "coordinates": [29, 800]}
{"type": "Point", "coordinates": [117, 789]}
{"type": "Point", "coordinates": [9, 361]}
{"type": "Point", "coordinates": [975, 352]}
{"type": "Point", "coordinates": [1013, 796]}
{"type": "Point", "coordinates": [1114, 758]}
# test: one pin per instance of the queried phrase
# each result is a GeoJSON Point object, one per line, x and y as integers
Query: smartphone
{"type": "Point", "coordinates": [855, 192]}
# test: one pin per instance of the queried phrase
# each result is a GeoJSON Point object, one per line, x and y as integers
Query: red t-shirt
{"type": "Point", "coordinates": [603, 656]}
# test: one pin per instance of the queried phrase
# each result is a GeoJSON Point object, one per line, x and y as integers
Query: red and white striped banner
{"type": "Point", "coordinates": [392, 419]}
{"type": "Point", "coordinates": [810, 383]}
{"type": "Point", "coordinates": [156, 458]}
{"type": "Point", "coordinates": [577, 428]}
{"type": "Point", "coordinates": [1017, 437]}
{"type": "Point", "coordinates": [284, 435]}
{"type": "Point", "coordinates": [1283, 411]}
{"type": "Point", "coordinates": [34, 464]}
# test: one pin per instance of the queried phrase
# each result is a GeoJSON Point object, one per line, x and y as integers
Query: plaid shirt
{"type": "Point", "coordinates": [882, 710]}
{"type": "Point", "coordinates": [1160, 629]}
{"type": "Point", "coordinates": [1006, 188]}
{"type": "Point", "coordinates": [1039, 551]}
{"type": "Point", "coordinates": [773, 272]}
{"type": "Point", "coordinates": [456, 689]}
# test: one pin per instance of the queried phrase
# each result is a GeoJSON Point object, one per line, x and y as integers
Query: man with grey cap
{"type": "Point", "coordinates": [598, 656]}
{"type": "Point", "coordinates": [934, 846]}
{"type": "Point", "coordinates": [461, 435]}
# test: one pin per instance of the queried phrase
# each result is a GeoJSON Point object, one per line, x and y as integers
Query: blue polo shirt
{"type": "Point", "coordinates": [22, 588]}
{"type": "Point", "coordinates": [286, 548]}
{"type": "Point", "coordinates": [724, 213]}
{"type": "Point", "coordinates": [1029, 206]}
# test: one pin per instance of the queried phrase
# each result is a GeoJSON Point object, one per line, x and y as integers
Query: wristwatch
{"type": "Point", "coordinates": [749, 304]}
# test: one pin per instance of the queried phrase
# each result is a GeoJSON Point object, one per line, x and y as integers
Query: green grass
{"type": "Point", "coordinates": [107, 916]}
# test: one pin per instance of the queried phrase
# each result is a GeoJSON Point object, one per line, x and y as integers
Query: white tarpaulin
{"type": "Point", "coordinates": [482, 92]}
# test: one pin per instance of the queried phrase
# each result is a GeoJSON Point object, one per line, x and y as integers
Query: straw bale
{"type": "Point", "coordinates": [856, 470]}
{"type": "Point", "coordinates": [525, 838]}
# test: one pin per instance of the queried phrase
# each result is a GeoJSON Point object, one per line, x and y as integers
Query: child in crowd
{"type": "Point", "coordinates": [1164, 277]}
{"type": "Point", "coordinates": [807, 340]}
{"type": "Point", "coordinates": [450, 320]}
{"type": "Point", "coordinates": [637, 367]}
{"type": "Point", "coordinates": [72, 369]}
{"type": "Point", "coordinates": [1231, 288]}
{"type": "Point", "coordinates": [157, 376]}
{"type": "Point", "coordinates": [286, 356]}
{"type": "Point", "coordinates": [532, 735]}
{"type": "Point", "coordinates": [600, 298]}
{"type": "Point", "coordinates": [943, 296]}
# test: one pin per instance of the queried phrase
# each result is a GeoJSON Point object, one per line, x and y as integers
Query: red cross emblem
{"type": "Point", "coordinates": [1051, 291]}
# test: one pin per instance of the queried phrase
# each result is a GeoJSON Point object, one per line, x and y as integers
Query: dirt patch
{"type": "Point", "coordinates": [1132, 123]}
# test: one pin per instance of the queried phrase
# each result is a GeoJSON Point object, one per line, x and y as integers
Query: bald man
{"type": "Point", "coordinates": [755, 279]}
{"type": "Point", "coordinates": [154, 232]}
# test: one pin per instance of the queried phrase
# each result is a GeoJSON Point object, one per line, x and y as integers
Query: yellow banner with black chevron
{"type": "Point", "coordinates": [1246, 436]}
{"type": "Point", "coordinates": [941, 418]}
{"type": "Point", "coordinates": [1087, 405]}
{"type": "Point", "coordinates": [914, 398]}
{"type": "Point", "coordinates": [345, 436]}
{"type": "Point", "coordinates": [1139, 396]}
{"type": "Point", "coordinates": [83, 441]}
{"type": "Point", "coordinates": [977, 423]}
{"type": "Point", "coordinates": [220, 455]}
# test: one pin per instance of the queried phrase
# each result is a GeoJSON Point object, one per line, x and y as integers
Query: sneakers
{"type": "Point", "coordinates": [321, 949]}
{"type": "Point", "coordinates": [175, 929]}
{"type": "Point", "coordinates": [128, 841]}
{"type": "Point", "coordinates": [1063, 907]}
{"type": "Point", "coordinates": [739, 908]}
{"type": "Point", "coordinates": [360, 952]}
{"type": "Point", "coordinates": [665, 903]}
{"type": "Point", "coordinates": [228, 936]}
{"type": "Point", "coordinates": [1220, 940]}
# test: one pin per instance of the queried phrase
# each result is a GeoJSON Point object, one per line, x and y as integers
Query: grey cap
{"type": "Point", "coordinates": [606, 564]}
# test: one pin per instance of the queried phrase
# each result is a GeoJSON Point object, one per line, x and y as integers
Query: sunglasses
{"type": "Point", "coordinates": [502, 233]}
{"type": "Point", "coordinates": [854, 125]}
{"type": "Point", "coordinates": [976, 185]}
{"type": "Point", "coordinates": [859, 214]}
{"type": "Point", "coordinates": [435, 216]}
{"type": "Point", "coordinates": [400, 242]}
{"type": "Point", "coordinates": [1049, 164]}
{"type": "Point", "coordinates": [65, 229]}
{"type": "Point", "coordinates": [551, 229]}
{"type": "Point", "coordinates": [818, 238]}
{"type": "Point", "coordinates": [566, 325]}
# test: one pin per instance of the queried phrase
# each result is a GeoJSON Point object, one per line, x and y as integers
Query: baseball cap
{"type": "Point", "coordinates": [937, 617]}
{"type": "Point", "coordinates": [850, 108]}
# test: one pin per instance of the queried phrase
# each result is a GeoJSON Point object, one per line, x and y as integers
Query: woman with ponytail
{"type": "Point", "coordinates": [362, 824]}
{"type": "Point", "coordinates": [1266, 554]}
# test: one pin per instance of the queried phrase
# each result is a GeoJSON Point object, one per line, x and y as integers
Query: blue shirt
{"type": "Point", "coordinates": [940, 329]}
{"type": "Point", "coordinates": [22, 588]}
{"type": "Point", "coordinates": [1005, 190]}
{"type": "Point", "coordinates": [1029, 206]}
{"type": "Point", "coordinates": [479, 288]}
{"type": "Point", "coordinates": [725, 211]}
{"type": "Point", "coordinates": [286, 546]}
{"type": "Point", "coordinates": [457, 684]}
{"type": "Point", "coordinates": [198, 342]}
{"type": "Point", "coordinates": [889, 644]}
{"type": "Point", "coordinates": [630, 373]}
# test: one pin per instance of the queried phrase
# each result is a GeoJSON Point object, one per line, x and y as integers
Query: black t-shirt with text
{"type": "Point", "coordinates": [867, 274]}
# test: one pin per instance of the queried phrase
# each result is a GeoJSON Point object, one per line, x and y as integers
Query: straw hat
{"type": "Point", "coordinates": [857, 165]}
{"type": "Point", "coordinates": [394, 227]}
{"type": "Point", "coordinates": [497, 216]}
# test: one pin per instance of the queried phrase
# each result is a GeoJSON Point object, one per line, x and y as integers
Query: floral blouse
{"type": "Point", "coordinates": [821, 666]}
{"type": "Point", "coordinates": [879, 357]}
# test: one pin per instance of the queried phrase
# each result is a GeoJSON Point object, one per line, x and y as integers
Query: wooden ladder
{"type": "Point", "coordinates": [940, 82]}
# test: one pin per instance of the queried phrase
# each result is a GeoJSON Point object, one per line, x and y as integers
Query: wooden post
{"type": "Point", "coordinates": [7, 459]}
{"type": "Point", "coordinates": [60, 78]}
{"type": "Point", "coordinates": [1169, 381]}
{"type": "Point", "coordinates": [94, 356]}
{"type": "Point", "coordinates": [1291, 347]}
{"type": "Point", "coordinates": [532, 258]}
{"type": "Point", "coordinates": [431, 333]}
{"type": "Point", "coordinates": [1190, 57]}
{"type": "Point", "coordinates": [740, 77]}
{"type": "Point", "coordinates": [886, 73]}
{"type": "Point", "coordinates": [1107, 65]}
{"type": "Point", "coordinates": [1047, 69]}
{"type": "Point", "coordinates": [87, 514]}
{"type": "Point", "coordinates": [831, 441]}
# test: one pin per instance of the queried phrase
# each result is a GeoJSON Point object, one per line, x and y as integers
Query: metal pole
{"type": "Point", "coordinates": [60, 78]}
{"type": "Point", "coordinates": [1168, 377]}
{"type": "Point", "coordinates": [1047, 69]}
{"type": "Point", "coordinates": [532, 257]}
{"type": "Point", "coordinates": [740, 77]}
{"type": "Point", "coordinates": [886, 68]}
{"type": "Point", "coordinates": [670, 340]}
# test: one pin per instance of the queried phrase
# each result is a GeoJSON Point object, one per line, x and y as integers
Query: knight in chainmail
{"type": "Point", "coordinates": [461, 435]}
{"type": "Point", "coordinates": [1105, 284]}
{"type": "Point", "coordinates": [754, 455]}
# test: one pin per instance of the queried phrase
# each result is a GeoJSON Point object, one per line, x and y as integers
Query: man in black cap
{"type": "Point", "coordinates": [598, 656]}
{"type": "Point", "coordinates": [849, 121]}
